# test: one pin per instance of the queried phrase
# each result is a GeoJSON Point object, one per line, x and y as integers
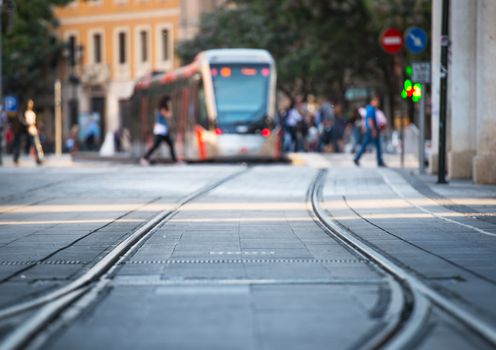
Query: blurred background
{"type": "Point", "coordinates": [328, 53]}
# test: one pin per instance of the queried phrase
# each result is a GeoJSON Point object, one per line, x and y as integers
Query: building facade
{"type": "Point", "coordinates": [471, 124]}
{"type": "Point", "coordinates": [113, 43]}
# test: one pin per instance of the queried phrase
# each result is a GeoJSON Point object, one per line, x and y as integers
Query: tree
{"type": "Point", "coordinates": [30, 48]}
{"type": "Point", "coordinates": [320, 47]}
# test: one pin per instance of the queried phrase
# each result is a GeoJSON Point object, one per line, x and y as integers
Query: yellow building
{"type": "Point", "coordinates": [116, 42]}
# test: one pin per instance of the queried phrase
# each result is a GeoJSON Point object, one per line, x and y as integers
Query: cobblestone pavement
{"type": "Point", "coordinates": [55, 222]}
{"type": "Point", "coordinates": [245, 266]}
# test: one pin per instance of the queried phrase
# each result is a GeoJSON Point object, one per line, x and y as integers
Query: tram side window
{"type": "Point", "coordinates": [202, 109]}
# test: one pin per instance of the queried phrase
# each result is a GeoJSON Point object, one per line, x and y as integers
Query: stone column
{"type": "Point", "coordinates": [484, 166]}
{"type": "Point", "coordinates": [462, 88]}
{"type": "Point", "coordinates": [436, 63]}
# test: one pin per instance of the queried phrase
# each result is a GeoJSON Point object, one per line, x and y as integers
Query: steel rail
{"type": "Point", "coordinates": [407, 311]}
{"type": "Point", "coordinates": [420, 289]}
{"type": "Point", "coordinates": [55, 302]}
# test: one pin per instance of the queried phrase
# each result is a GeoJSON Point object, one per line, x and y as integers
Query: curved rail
{"type": "Point", "coordinates": [407, 310]}
{"type": "Point", "coordinates": [55, 302]}
{"type": "Point", "coordinates": [424, 297]}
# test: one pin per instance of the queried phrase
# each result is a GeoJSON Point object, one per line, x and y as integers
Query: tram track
{"type": "Point", "coordinates": [418, 299]}
{"type": "Point", "coordinates": [49, 306]}
{"type": "Point", "coordinates": [410, 305]}
{"type": "Point", "coordinates": [46, 258]}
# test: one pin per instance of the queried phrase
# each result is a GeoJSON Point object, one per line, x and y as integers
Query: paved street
{"type": "Point", "coordinates": [247, 256]}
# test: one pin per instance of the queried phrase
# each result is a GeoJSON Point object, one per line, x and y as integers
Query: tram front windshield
{"type": "Point", "coordinates": [240, 93]}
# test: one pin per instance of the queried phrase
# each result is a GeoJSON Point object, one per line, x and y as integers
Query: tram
{"type": "Point", "coordinates": [223, 106]}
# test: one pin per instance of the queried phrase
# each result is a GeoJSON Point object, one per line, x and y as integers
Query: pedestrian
{"type": "Point", "coordinates": [312, 136]}
{"type": "Point", "coordinates": [18, 127]}
{"type": "Point", "coordinates": [371, 133]}
{"type": "Point", "coordinates": [161, 130]}
{"type": "Point", "coordinates": [294, 123]}
{"type": "Point", "coordinates": [356, 128]}
{"type": "Point", "coordinates": [91, 134]}
{"type": "Point", "coordinates": [338, 129]}
{"type": "Point", "coordinates": [33, 134]}
{"type": "Point", "coordinates": [286, 135]}
{"type": "Point", "coordinates": [326, 135]}
{"type": "Point", "coordinates": [3, 122]}
{"type": "Point", "coordinates": [72, 144]}
{"type": "Point", "coordinates": [118, 140]}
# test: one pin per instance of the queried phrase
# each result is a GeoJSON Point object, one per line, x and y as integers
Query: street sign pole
{"type": "Point", "coordinates": [421, 74]}
{"type": "Point", "coordinates": [441, 171]}
{"type": "Point", "coordinates": [421, 132]}
{"type": "Point", "coordinates": [1, 53]}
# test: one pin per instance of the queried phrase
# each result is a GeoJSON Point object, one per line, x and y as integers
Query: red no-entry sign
{"type": "Point", "coordinates": [391, 40]}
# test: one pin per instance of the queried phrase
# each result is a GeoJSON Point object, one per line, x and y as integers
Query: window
{"type": "Point", "coordinates": [97, 48]}
{"type": "Point", "coordinates": [122, 48]}
{"type": "Point", "coordinates": [240, 92]}
{"type": "Point", "coordinates": [144, 46]}
{"type": "Point", "coordinates": [165, 44]}
{"type": "Point", "coordinates": [163, 40]}
{"type": "Point", "coordinates": [142, 51]}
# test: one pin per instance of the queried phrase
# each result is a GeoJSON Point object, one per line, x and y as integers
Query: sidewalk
{"type": "Point", "coordinates": [79, 159]}
{"type": "Point", "coordinates": [50, 160]}
{"type": "Point", "coordinates": [457, 195]}
{"type": "Point", "coordinates": [120, 158]}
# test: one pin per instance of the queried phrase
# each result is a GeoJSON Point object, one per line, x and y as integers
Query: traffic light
{"type": "Point", "coordinates": [410, 89]}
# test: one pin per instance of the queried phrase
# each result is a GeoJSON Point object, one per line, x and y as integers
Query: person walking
{"type": "Point", "coordinates": [33, 134]}
{"type": "Point", "coordinates": [161, 130]}
{"type": "Point", "coordinates": [339, 129]}
{"type": "Point", "coordinates": [295, 122]}
{"type": "Point", "coordinates": [356, 128]}
{"type": "Point", "coordinates": [371, 134]}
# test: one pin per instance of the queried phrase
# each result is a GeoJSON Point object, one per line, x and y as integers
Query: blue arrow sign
{"type": "Point", "coordinates": [415, 40]}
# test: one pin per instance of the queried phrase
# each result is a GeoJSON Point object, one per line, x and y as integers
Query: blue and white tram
{"type": "Point", "coordinates": [223, 106]}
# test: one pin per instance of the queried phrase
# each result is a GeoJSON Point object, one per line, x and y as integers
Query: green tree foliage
{"type": "Point", "coordinates": [320, 46]}
{"type": "Point", "coordinates": [30, 48]}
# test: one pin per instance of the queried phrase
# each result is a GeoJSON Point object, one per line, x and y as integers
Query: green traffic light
{"type": "Point", "coordinates": [408, 71]}
{"type": "Point", "coordinates": [407, 84]}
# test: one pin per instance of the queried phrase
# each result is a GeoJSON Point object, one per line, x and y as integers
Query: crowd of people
{"type": "Point", "coordinates": [323, 126]}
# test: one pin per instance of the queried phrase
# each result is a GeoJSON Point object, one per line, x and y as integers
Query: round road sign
{"type": "Point", "coordinates": [415, 39]}
{"type": "Point", "coordinates": [391, 40]}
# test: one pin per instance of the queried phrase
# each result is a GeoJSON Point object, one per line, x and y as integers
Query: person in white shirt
{"type": "Point", "coordinates": [33, 135]}
{"type": "Point", "coordinates": [161, 130]}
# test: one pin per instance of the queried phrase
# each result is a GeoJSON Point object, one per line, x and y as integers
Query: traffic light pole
{"type": "Point", "coordinates": [58, 117]}
{"type": "Point", "coordinates": [441, 171]}
{"type": "Point", "coordinates": [422, 132]}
